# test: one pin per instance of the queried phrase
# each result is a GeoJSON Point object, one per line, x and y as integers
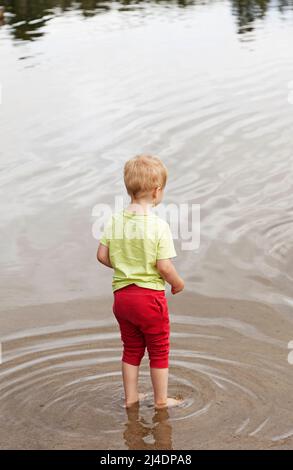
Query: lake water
{"type": "Point", "coordinates": [208, 87]}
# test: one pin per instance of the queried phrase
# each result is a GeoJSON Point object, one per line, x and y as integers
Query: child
{"type": "Point", "coordinates": [138, 245]}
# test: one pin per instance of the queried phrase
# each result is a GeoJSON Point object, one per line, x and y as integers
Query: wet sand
{"type": "Point", "coordinates": [61, 385]}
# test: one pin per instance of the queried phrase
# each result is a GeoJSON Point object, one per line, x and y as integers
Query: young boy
{"type": "Point", "coordinates": [138, 245]}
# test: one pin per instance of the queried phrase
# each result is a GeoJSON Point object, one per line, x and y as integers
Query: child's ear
{"type": "Point", "coordinates": [157, 190]}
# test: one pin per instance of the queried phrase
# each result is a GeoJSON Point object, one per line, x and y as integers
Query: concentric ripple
{"type": "Point", "coordinates": [62, 387]}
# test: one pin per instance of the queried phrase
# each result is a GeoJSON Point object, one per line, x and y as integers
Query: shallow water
{"type": "Point", "coordinates": [60, 385]}
{"type": "Point", "coordinates": [207, 87]}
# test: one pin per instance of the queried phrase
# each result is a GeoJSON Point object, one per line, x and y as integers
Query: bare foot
{"type": "Point", "coordinates": [171, 402]}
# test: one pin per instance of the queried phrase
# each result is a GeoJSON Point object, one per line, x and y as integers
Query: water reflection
{"type": "Point", "coordinates": [26, 18]}
{"type": "Point", "coordinates": [247, 11]}
{"type": "Point", "coordinates": [139, 435]}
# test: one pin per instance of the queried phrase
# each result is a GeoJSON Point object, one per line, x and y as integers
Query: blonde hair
{"type": "Point", "coordinates": [143, 173]}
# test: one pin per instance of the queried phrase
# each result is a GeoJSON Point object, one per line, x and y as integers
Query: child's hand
{"type": "Point", "coordinates": [178, 287]}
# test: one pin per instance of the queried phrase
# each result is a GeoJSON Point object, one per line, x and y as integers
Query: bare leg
{"type": "Point", "coordinates": [160, 386]}
{"type": "Point", "coordinates": [130, 383]}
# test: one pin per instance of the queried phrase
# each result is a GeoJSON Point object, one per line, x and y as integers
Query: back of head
{"type": "Point", "coordinates": [143, 173]}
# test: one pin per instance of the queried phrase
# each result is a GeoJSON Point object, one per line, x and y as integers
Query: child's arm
{"type": "Point", "coordinates": [103, 255]}
{"type": "Point", "coordinates": [169, 273]}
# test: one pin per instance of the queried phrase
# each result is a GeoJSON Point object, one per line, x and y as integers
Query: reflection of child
{"type": "Point", "coordinates": [138, 432]}
{"type": "Point", "coordinates": [138, 245]}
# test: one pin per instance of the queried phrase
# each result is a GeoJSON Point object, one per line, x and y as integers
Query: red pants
{"type": "Point", "coordinates": [143, 319]}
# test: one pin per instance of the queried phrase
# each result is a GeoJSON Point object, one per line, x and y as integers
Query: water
{"type": "Point", "coordinates": [208, 87]}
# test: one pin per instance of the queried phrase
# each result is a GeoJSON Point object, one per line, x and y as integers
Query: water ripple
{"type": "Point", "coordinates": [75, 384]}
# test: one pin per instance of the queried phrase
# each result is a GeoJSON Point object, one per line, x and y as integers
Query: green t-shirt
{"type": "Point", "coordinates": [136, 242]}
